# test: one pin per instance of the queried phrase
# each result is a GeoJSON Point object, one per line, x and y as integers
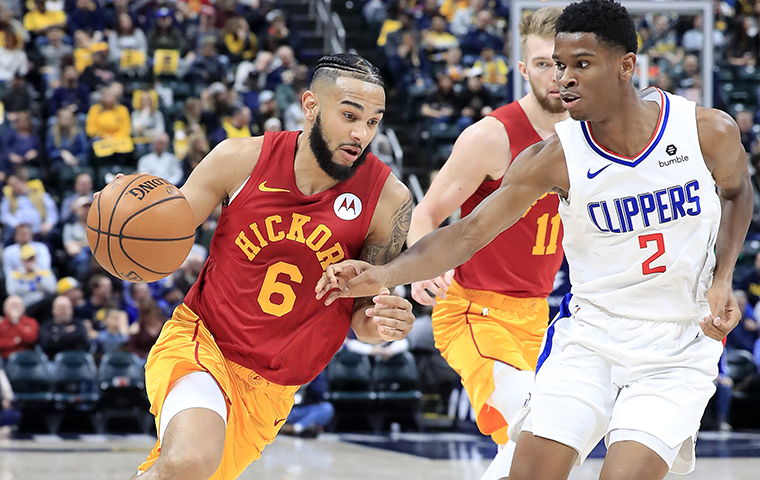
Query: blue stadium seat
{"type": "Point", "coordinates": [31, 377]}
{"type": "Point", "coordinates": [122, 390]}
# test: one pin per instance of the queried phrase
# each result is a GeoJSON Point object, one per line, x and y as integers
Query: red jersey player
{"type": "Point", "coordinates": [222, 375]}
{"type": "Point", "coordinates": [490, 319]}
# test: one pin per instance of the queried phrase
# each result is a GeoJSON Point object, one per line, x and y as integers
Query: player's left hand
{"type": "Point", "coordinates": [724, 312]}
{"type": "Point", "coordinates": [392, 315]}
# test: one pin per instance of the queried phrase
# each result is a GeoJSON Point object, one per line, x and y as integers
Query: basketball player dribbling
{"type": "Point", "coordinates": [490, 319]}
{"type": "Point", "coordinates": [222, 375]}
{"type": "Point", "coordinates": [655, 201]}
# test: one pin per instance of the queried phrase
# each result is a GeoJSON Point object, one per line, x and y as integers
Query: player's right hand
{"type": "Point", "coordinates": [118, 176]}
{"type": "Point", "coordinates": [425, 292]}
{"type": "Point", "coordinates": [351, 278]}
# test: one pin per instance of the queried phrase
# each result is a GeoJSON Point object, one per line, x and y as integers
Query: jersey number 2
{"type": "Point", "coordinates": [277, 298]}
{"type": "Point", "coordinates": [644, 240]}
{"type": "Point", "coordinates": [541, 248]}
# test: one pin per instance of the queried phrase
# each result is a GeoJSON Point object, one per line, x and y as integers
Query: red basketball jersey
{"type": "Point", "coordinates": [271, 246]}
{"type": "Point", "coordinates": [523, 260]}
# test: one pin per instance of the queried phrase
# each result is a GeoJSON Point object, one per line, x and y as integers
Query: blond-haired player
{"type": "Point", "coordinates": [490, 318]}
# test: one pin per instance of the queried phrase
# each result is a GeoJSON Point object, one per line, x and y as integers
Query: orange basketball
{"type": "Point", "coordinates": [140, 228]}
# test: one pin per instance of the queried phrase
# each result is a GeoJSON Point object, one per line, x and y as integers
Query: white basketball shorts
{"type": "Point", "coordinates": [598, 373]}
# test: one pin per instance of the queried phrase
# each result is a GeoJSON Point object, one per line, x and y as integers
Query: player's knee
{"type": "Point", "coordinates": [196, 463]}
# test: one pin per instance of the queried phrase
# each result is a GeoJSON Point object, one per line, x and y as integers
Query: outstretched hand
{"type": "Point", "coordinates": [724, 312]}
{"type": "Point", "coordinates": [426, 291]}
{"type": "Point", "coordinates": [350, 278]}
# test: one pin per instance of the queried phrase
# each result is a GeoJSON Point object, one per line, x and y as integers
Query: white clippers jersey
{"type": "Point", "coordinates": [640, 232]}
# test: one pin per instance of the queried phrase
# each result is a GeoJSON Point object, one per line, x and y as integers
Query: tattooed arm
{"type": "Point", "coordinates": [390, 318]}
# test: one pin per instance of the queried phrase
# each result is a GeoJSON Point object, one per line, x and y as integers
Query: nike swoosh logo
{"type": "Point", "coordinates": [263, 187]}
{"type": "Point", "coordinates": [277, 422]}
{"type": "Point", "coordinates": [592, 175]}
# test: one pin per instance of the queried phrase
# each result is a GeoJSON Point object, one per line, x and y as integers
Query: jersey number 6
{"type": "Point", "coordinates": [646, 267]}
{"type": "Point", "coordinates": [277, 298]}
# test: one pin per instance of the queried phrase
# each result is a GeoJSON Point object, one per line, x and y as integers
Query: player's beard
{"type": "Point", "coordinates": [550, 105]}
{"type": "Point", "coordinates": [324, 155]}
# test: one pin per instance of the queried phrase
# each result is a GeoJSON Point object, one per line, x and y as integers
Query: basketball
{"type": "Point", "coordinates": [140, 228]}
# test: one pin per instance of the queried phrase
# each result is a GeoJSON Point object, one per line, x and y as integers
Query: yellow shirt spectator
{"type": "Point", "coordinates": [389, 26]}
{"type": "Point", "coordinates": [232, 132]}
{"type": "Point", "coordinates": [38, 19]}
{"type": "Point", "coordinates": [450, 7]}
{"type": "Point", "coordinates": [494, 70]}
{"type": "Point", "coordinates": [108, 122]}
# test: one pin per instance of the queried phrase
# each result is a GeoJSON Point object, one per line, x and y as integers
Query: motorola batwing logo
{"type": "Point", "coordinates": [671, 149]}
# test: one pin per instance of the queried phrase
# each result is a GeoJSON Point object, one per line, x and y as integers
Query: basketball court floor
{"type": "Point", "coordinates": [413, 456]}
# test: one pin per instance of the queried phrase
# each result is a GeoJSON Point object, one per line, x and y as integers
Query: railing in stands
{"type": "Point", "coordinates": [398, 153]}
{"type": "Point", "coordinates": [329, 26]}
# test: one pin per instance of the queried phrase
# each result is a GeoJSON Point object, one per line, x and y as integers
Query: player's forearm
{"type": "Point", "coordinates": [422, 224]}
{"type": "Point", "coordinates": [736, 214]}
{"type": "Point", "coordinates": [436, 253]}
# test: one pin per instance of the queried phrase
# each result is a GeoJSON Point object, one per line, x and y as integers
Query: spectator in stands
{"type": "Point", "coordinates": [20, 97]}
{"type": "Point", "coordinates": [409, 64]}
{"type": "Point", "coordinates": [743, 50]}
{"type": "Point", "coordinates": [745, 121]}
{"type": "Point", "coordinates": [63, 331]}
{"type": "Point", "coordinates": [311, 413]}
{"type": "Point", "coordinates": [39, 18]}
{"type": "Point", "coordinates": [22, 235]}
{"type": "Point", "coordinates": [148, 121]}
{"type": "Point", "coordinates": [72, 94]}
{"type": "Point", "coordinates": [101, 297]}
{"type": "Point", "coordinates": [111, 339]}
{"type": "Point", "coordinates": [187, 274]}
{"type": "Point", "coordinates": [662, 48]}
{"type": "Point", "coordinates": [664, 81]}
{"type": "Point", "coordinates": [198, 149]}
{"type": "Point", "coordinates": [278, 33]}
{"type": "Point", "coordinates": [9, 417]}
{"type": "Point", "coordinates": [687, 73]}
{"type": "Point", "coordinates": [437, 40]}
{"type": "Point", "coordinates": [71, 289]}
{"type": "Point", "coordinates": [150, 323]}
{"type": "Point", "coordinates": [441, 106]}
{"type": "Point", "coordinates": [267, 109]}
{"type": "Point", "coordinates": [101, 73]}
{"type": "Point", "coordinates": [17, 330]}
{"type": "Point", "coordinates": [464, 18]}
{"type": "Point", "coordinates": [479, 36]}
{"type": "Point", "coordinates": [494, 68]}
{"type": "Point", "coordinates": [375, 12]}
{"type": "Point", "coordinates": [293, 116]}
{"type": "Point", "coordinates": [108, 118]}
{"type": "Point", "coordinates": [161, 162]}
{"type": "Point", "coordinates": [284, 70]}
{"type": "Point", "coordinates": [128, 46]}
{"type": "Point", "coordinates": [272, 125]}
{"type": "Point", "coordinates": [750, 284]}
{"type": "Point", "coordinates": [238, 42]}
{"type": "Point", "coordinates": [52, 52]}
{"type": "Point", "coordinates": [424, 14]}
{"type": "Point", "coordinates": [21, 145]}
{"type": "Point", "coordinates": [75, 238]}
{"type": "Point", "coordinates": [453, 65]}
{"type": "Point", "coordinates": [87, 15]}
{"type": "Point", "coordinates": [82, 187]}
{"type": "Point", "coordinates": [84, 47]}
{"type": "Point", "coordinates": [27, 202]}
{"type": "Point", "coordinates": [746, 335]}
{"type": "Point", "coordinates": [36, 286]}
{"type": "Point", "coordinates": [475, 101]}
{"type": "Point", "coordinates": [13, 61]}
{"type": "Point", "coordinates": [207, 68]}
{"type": "Point", "coordinates": [66, 143]}
{"type": "Point", "coordinates": [394, 37]}
{"type": "Point", "coordinates": [205, 28]}
{"type": "Point", "coordinates": [9, 19]}
{"type": "Point", "coordinates": [236, 126]}
{"type": "Point", "coordinates": [164, 35]}
{"type": "Point", "coordinates": [693, 38]}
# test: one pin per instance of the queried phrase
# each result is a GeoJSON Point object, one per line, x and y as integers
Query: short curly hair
{"type": "Point", "coordinates": [608, 20]}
